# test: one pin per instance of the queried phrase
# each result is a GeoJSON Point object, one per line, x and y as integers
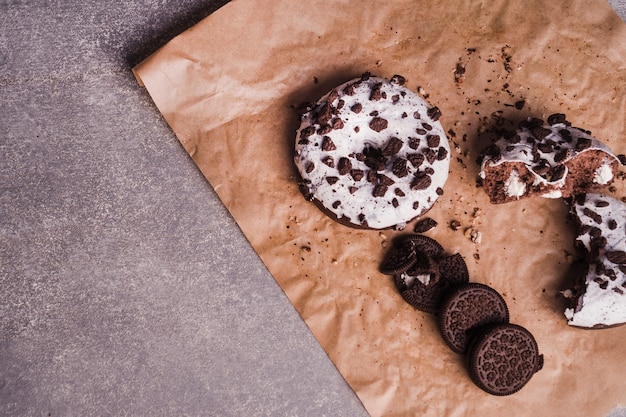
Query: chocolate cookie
{"type": "Point", "coordinates": [424, 286]}
{"type": "Point", "coordinates": [454, 269]}
{"type": "Point", "coordinates": [422, 244]}
{"type": "Point", "coordinates": [502, 358]}
{"type": "Point", "coordinates": [372, 153]}
{"type": "Point", "coordinates": [551, 160]}
{"type": "Point", "coordinates": [467, 307]}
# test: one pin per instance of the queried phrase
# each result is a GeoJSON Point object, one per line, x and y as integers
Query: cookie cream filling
{"type": "Point", "coordinates": [409, 280]}
{"type": "Point", "coordinates": [602, 225]}
{"type": "Point", "coordinates": [373, 153]}
{"type": "Point", "coordinates": [603, 175]}
{"type": "Point", "coordinates": [514, 187]}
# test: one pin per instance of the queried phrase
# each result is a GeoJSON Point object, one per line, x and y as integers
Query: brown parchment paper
{"type": "Point", "coordinates": [227, 88]}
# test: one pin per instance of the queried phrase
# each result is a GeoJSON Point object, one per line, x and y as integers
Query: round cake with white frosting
{"type": "Point", "coordinates": [552, 160]}
{"type": "Point", "coordinates": [372, 153]}
{"type": "Point", "coordinates": [599, 300]}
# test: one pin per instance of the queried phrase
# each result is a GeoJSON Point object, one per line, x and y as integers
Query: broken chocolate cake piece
{"type": "Point", "coordinates": [551, 159]}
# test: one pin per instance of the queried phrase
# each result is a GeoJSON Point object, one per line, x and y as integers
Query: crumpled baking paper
{"type": "Point", "coordinates": [228, 87]}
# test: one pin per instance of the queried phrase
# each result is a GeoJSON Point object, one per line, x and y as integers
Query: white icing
{"type": "Point", "coordinates": [522, 152]}
{"type": "Point", "coordinates": [597, 305]}
{"type": "Point", "coordinates": [514, 187]}
{"type": "Point", "coordinates": [378, 212]}
{"type": "Point", "coordinates": [553, 194]}
{"type": "Point", "coordinates": [603, 175]}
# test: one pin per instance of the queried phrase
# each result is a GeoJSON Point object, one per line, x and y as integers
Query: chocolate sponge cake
{"type": "Point", "coordinates": [371, 153]}
{"type": "Point", "coordinates": [551, 160]}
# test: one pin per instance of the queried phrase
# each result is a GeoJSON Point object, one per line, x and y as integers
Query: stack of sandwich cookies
{"type": "Point", "coordinates": [473, 318]}
{"type": "Point", "coordinates": [600, 299]}
{"type": "Point", "coordinates": [468, 307]}
{"type": "Point", "coordinates": [422, 272]}
{"type": "Point", "coordinates": [372, 154]}
{"type": "Point", "coordinates": [552, 160]}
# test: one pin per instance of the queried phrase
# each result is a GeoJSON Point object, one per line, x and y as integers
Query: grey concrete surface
{"type": "Point", "coordinates": [126, 289]}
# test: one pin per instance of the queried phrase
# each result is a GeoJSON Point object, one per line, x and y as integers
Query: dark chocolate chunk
{"type": "Point", "coordinates": [424, 225]}
{"type": "Point", "coordinates": [414, 143]}
{"type": "Point", "coordinates": [592, 215]}
{"type": "Point", "coordinates": [416, 159]}
{"type": "Point", "coordinates": [357, 174]}
{"type": "Point", "coordinates": [344, 166]}
{"type": "Point", "coordinates": [324, 129]}
{"type": "Point", "coordinates": [442, 153]}
{"type": "Point", "coordinates": [556, 118]}
{"type": "Point", "coordinates": [332, 180]}
{"type": "Point", "coordinates": [399, 168]}
{"type": "Point", "coordinates": [431, 155]}
{"type": "Point", "coordinates": [356, 108]}
{"type": "Point", "coordinates": [378, 124]}
{"type": "Point", "coordinates": [392, 147]}
{"type": "Point", "coordinates": [380, 190]}
{"type": "Point", "coordinates": [617, 257]}
{"type": "Point", "coordinates": [325, 114]}
{"type": "Point", "coordinates": [421, 181]}
{"type": "Point", "coordinates": [566, 135]}
{"type": "Point", "coordinates": [398, 79]}
{"type": "Point", "coordinates": [560, 155]}
{"type": "Point", "coordinates": [385, 180]}
{"type": "Point", "coordinates": [337, 124]}
{"type": "Point", "coordinates": [376, 92]}
{"type": "Point", "coordinates": [545, 147]}
{"type": "Point", "coordinates": [556, 173]}
{"type": "Point", "coordinates": [433, 141]}
{"type": "Point", "coordinates": [307, 131]}
{"type": "Point", "coordinates": [328, 144]}
{"type": "Point", "coordinates": [583, 143]}
{"type": "Point", "coordinates": [329, 161]}
{"type": "Point", "coordinates": [309, 167]}
{"type": "Point", "coordinates": [434, 113]}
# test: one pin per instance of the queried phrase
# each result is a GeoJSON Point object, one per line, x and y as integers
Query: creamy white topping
{"type": "Point", "coordinates": [603, 302]}
{"type": "Point", "coordinates": [352, 197]}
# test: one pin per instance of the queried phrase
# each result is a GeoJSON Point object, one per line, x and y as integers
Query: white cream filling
{"type": "Point", "coordinates": [603, 175]}
{"type": "Point", "coordinates": [409, 280]}
{"type": "Point", "coordinates": [513, 186]}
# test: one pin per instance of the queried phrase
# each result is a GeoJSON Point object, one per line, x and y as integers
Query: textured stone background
{"type": "Point", "coordinates": [125, 286]}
